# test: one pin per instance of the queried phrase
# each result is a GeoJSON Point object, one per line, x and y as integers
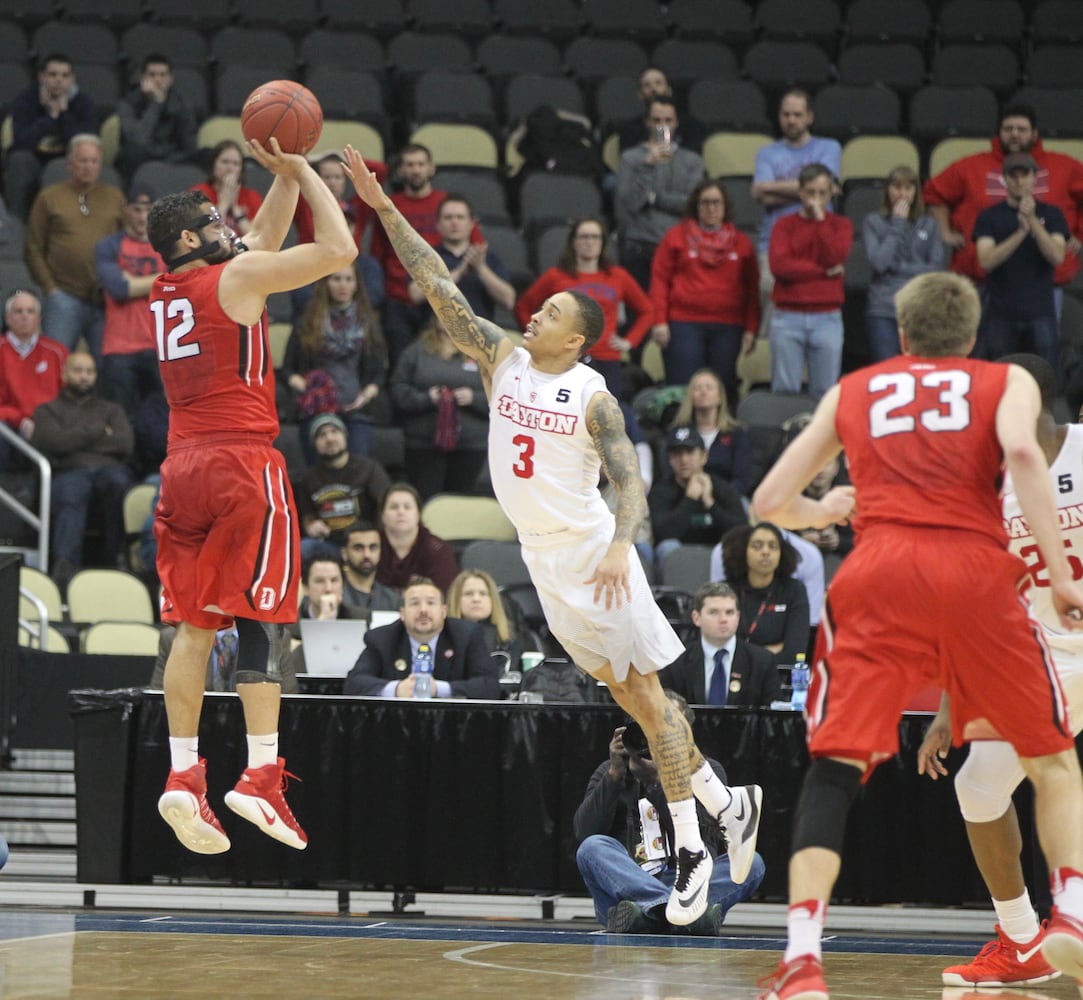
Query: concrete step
{"type": "Point", "coordinates": [35, 807]}
{"type": "Point", "coordinates": [43, 760]}
{"type": "Point", "coordinates": [56, 783]}
{"type": "Point", "coordinates": [30, 863]}
{"type": "Point", "coordinates": [38, 833]}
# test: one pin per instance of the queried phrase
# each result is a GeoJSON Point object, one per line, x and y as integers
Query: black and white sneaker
{"type": "Point", "coordinates": [688, 900]}
{"type": "Point", "coordinates": [741, 822]}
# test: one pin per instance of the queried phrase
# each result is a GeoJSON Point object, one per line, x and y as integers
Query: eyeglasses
{"type": "Point", "coordinates": [83, 206]}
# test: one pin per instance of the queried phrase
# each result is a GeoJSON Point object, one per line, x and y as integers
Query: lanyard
{"type": "Point", "coordinates": [762, 608]}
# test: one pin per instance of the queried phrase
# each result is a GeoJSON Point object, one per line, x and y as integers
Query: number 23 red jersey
{"type": "Point", "coordinates": [920, 439]}
{"type": "Point", "coordinates": [217, 373]}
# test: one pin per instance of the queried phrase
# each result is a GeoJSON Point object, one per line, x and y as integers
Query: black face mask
{"type": "Point", "coordinates": [213, 251]}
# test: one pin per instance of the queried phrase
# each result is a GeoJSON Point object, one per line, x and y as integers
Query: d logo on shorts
{"type": "Point", "coordinates": [266, 598]}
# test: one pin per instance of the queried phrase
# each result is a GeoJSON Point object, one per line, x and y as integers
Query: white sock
{"type": "Point", "coordinates": [805, 929]}
{"type": "Point", "coordinates": [686, 825]}
{"type": "Point", "coordinates": [1017, 918]}
{"type": "Point", "coordinates": [183, 752]}
{"type": "Point", "coordinates": [706, 786]}
{"type": "Point", "coordinates": [262, 750]}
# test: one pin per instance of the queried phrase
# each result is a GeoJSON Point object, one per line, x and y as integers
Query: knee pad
{"type": "Point", "coordinates": [254, 644]}
{"type": "Point", "coordinates": [829, 790]}
{"type": "Point", "coordinates": [985, 783]}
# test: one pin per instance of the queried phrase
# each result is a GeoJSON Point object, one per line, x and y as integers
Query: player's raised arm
{"type": "Point", "coordinates": [477, 338]}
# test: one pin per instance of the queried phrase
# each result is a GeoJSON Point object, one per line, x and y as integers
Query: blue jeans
{"type": "Point", "coordinates": [882, 334]}
{"type": "Point", "coordinates": [805, 338]}
{"type": "Point", "coordinates": [703, 345]}
{"type": "Point", "coordinates": [72, 494]}
{"type": "Point", "coordinates": [1033, 336]}
{"type": "Point", "coordinates": [612, 876]}
{"type": "Point", "coordinates": [67, 318]}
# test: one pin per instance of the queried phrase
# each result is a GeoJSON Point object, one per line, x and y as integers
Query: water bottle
{"type": "Point", "coordinates": [799, 678]}
{"type": "Point", "coordinates": [422, 668]}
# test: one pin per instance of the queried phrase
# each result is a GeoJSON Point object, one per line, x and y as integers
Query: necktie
{"type": "Point", "coordinates": [717, 694]}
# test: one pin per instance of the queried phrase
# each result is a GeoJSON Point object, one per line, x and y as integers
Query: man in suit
{"type": "Point", "coordinates": [462, 666]}
{"type": "Point", "coordinates": [718, 668]}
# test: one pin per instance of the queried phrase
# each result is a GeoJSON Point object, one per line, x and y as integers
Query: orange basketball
{"type": "Point", "coordinates": [285, 110]}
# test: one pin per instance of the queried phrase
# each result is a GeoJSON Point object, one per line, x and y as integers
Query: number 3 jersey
{"type": "Point", "coordinates": [1066, 471]}
{"type": "Point", "coordinates": [542, 459]}
{"type": "Point", "coordinates": [920, 441]}
{"type": "Point", "coordinates": [217, 373]}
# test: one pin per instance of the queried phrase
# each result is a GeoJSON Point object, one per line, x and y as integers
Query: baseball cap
{"type": "Point", "coordinates": [322, 421]}
{"type": "Point", "coordinates": [140, 189]}
{"type": "Point", "coordinates": [1019, 161]}
{"type": "Point", "coordinates": [683, 437]}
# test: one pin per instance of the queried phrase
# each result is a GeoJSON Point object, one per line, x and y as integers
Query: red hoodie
{"type": "Point", "coordinates": [974, 183]}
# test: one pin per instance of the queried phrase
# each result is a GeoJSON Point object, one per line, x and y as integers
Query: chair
{"type": "Point", "coordinates": [349, 94]}
{"type": "Point", "coordinates": [165, 177]}
{"type": "Point", "coordinates": [548, 244]}
{"type": "Point", "coordinates": [57, 170]}
{"type": "Point", "coordinates": [108, 595]}
{"type": "Point", "coordinates": [1060, 111]}
{"type": "Point", "coordinates": [233, 83]}
{"type": "Point", "coordinates": [991, 65]}
{"type": "Point", "coordinates": [204, 15]}
{"type": "Point", "coordinates": [44, 588]}
{"type": "Point", "coordinates": [772, 409]}
{"type": "Point", "coordinates": [858, 271]}
{"type": "Point", "coordinates": [1055, 66]}
{"type": "Point", "coordinates": [87, 43]}
{"type": "Point", "coordinates": [1056, 21]}
{"type": "Point", "coordinates": [14, 77]}
{"type": "Point", "coordinates": [937, 111]}
{"type": "Point", "coordinates": [101, 80]}
{"type": "Point", "coordinates": [352, 50]}
{"type": "Point", "coordinates": [450, 96]}
{"type": "Point", "coordinates": [24, 14]}
{"type": "Point", "coordinates": [734, 105]}
{"type": "Point", "coordinates": [559, 19]}
{"type": "Point", "coordinates": [816, 20]}
{"type": "Point", "coordinates": [116, 14]}
{"type": "Point", "coordinates": [138, 505]}
{"type": "Point", "coordinates": [778, 65]}
{"type": "Point", "coordinates": [458, 145]}
{"type": "Point", "coordinates": [526, 92]}
{"type": "Point", "coordinates": [945, 153]}
{"type": "Point", "coordinates": [366, 139]}
{"type": "Point", "coordinates": [472, 18]}
{"type": "Point", "coordinates": [525, 596]}
{"type": "Point", "coordinates": [551, 198]}
{"type": "Point", "coordinates": [730, 20]}
{"type": "Point", "coordinates": [185, 46]}
{"type": "Point", "coordinates": [192, 85]}
{"type": "Point", "coordinates": [218, 127]}
{"type": "Point", "coordinates": [268, 48]}
{"type": "Point", "coordinates": [13, 44]}
{"type": "Point", "coordinates": [899, 65]}
{"type": "Point", "coordinates": [511, 246]}
{"type": "Point", "coordinates": [754, 370]}
{"type": "Point", "coordinates": [381, 17]}
{"type": "Point", "coordinates": [685, 60]}
{"type": "Point", "coordinates": [1069, 147]}
{"type": "Point", "coordinates": [859, 200]}
{"type": "Point", "coordinates": [452, 516]}
{"type": "Point", "coordinates": [687, 567]}
{"type": "Point", "coordinates": [874, 156]}
{"type": "Point", "coordinates": [410, 53]}
{"type": "Point", "coordinates": [747, 211]}
{"type": "Point", "coordinates": [677, 605]}
{"type": "Point", "coordinates": [642, 20]}
{"type": "Point", "coordinates": [593, 59]}
{"type": "Point", "coordinates": [502, 56]}
{"type": "Point", "coordinates": [888, 21]}
{"type": "Point", "coordinates": [845, 110]}
{"type": "Point", "coordinates": [981, 21]}
{"type": "Point", "coordinates": [727, 153]}
{"type": "Point", "coordinates": [483, 189]}
{"type": "Point", "coordinates": [121, 638]}
{"type": "Point", "coordinates": [293, 16]}
{"type": "Point", "coordinates": [55, 640]}
{"type": "Point", "coordinates": [501, 560]}
{"type": "Point", "coordinates": [616, 99]}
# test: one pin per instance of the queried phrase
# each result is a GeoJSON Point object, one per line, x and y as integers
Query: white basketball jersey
{"type": "Point", "coordinates": [1066, 473]}
{"type": "Point", "coordinates": [542, 460]}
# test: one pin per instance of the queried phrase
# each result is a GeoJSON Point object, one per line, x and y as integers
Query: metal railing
{"type": "Point", "coordinates": [39, 522]}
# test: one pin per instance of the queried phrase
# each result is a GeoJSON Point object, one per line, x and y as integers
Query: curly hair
{"type": "Point", "coordinates": [735, 552]}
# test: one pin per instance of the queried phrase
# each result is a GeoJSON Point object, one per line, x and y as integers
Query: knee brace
{"type": "Point", "coordinates": [254, 644]}
{"type": "Point", "coordinates": [829, 790]}
{"type": "Point", "coordinates": [985, 782]}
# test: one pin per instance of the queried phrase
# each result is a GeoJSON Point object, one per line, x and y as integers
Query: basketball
{"type": "Point", "coordinates": [285, 110]}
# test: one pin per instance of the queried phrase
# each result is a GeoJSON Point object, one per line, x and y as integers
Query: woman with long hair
{"type": "Point", "coordinates": [475, 597]}
{"type": "Point", "coordinates": [759, 564]}
{"type": "Point", "coordinates": [705, 287]}
{"type": "Point", "coordinates": [585, 266]}
{"type": "Point", "coordinates": [336, 360]}
{"type": "Point", "coordinates": [705, 407]}
{"type": "Point", "coordinates": [901, 241]}
{"type": "Point", "coordinates": [225, 188]}
{"type": "Point", "coordinates": [407, 547]}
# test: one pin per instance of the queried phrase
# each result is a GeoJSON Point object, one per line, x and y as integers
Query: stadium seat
{"type": "Point", "coordinates": [455, 517]}
{"type": "Point", "coordinates": [727, 153]}
{"type": "Point", "coordinates": [108, 595]}
{"type": "Point", "coordinates": [458, 145]}
{"type": "Point", "coordinates": [874, 156]}
{"type": "Point", "coordinates": [121, 638]}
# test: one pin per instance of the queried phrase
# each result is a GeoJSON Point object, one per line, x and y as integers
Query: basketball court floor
{"type": "Point", "coordinates": [79, 955]}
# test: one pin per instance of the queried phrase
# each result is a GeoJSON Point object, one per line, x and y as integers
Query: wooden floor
{"type": "Point", "coordinates": [156, 956]}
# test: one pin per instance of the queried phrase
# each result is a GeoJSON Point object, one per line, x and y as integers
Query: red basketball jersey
{"type": "Point", "coordinates": [217, 373]}
{"type": "Point", "coordinates": [920, 438]}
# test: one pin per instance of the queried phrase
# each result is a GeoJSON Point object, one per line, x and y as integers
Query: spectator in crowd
{"type": "Point", "coordinates": [690, 506]}
{"type": "Point", "coordinates": [407, 547]}
{"type": "Point", "coordinates": [321, 583]}
{"type": "Point", "coordinates": [653, 82]}
{"type": "Point", "coordinates": [222, 663]}
{"type": "Point", "coordinates": [89, 444]}
{"type": "Point", "coordinates": [729, 451]}
{"type": "Point", "coordinates": [151, 432]}
{"type": "Point", "coordinates": [444, 413]}
{"type": "Point", "coordinates": [45, 117]}
{"type": "Point", "coordinates": [338, 488]}
{"type": "Point", "coordinates": [475, 597]}
{"type": "Point", "coordinates": [31, 367]}
{"type": "Point", "coordinates": [705, 285]}
{"type": "Point", "coordinates": [835, 539]}
{"type": "Point", "coordinates": [759, 565]}
{"type": "Point", "coordinates": [1020, 242]}
{"type": "Point", "coordinates": [901, 241]}
{"type": "Point", "coordinates": [66, 221]}
{"type": "Point", "coordinates": [461, 665]}
{"type": "Point", "coordinates": [808, 257]}
{"type": "Point", "coordinates": [475, 268]}
{"type": "Point", "coordinates": [419, 203]}
{"type": "Point", "coordinates": [156, 122]}
{"type": "Point", "coordinates": [717, 667]}
{"type": "Point", "coordinates": [226, 190]}
{"type": "Point", "coordinates": [775, 177]}
{"type": "Point", "coordinates": [654, 180]}
{"type": "Point", "coordinates": [626, 854]}
{"type": "Point", "coordinates": [962, 190]}
{"type": "Point", "coordinates": [336, 361]}
{"type": "Point", "coordinates": [126, 265]}
{"type": "Point", "coordinates": [360, 557]}
{"type": "Point", "coordinates": [585, 265]}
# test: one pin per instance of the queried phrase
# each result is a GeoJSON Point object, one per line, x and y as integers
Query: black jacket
{"type": "Point", "coordinates": [753, 669]}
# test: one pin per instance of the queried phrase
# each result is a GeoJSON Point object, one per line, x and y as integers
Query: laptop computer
{"type": "Point", "coordinates": [332, 647]}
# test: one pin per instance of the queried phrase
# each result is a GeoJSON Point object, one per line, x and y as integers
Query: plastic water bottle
{"type": "Point", "coordinates": [799, 678]}
{"type": "Point", "coordinates": [422, 668]}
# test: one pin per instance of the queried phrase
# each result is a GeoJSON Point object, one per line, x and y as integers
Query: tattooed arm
{"type": "Point", "coordinates": [477, 338]}
{"type": "Point", "coordinates": [621, 464]}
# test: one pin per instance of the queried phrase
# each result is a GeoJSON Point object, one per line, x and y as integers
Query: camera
{"type": "Point", "coordinates": [635, 741]}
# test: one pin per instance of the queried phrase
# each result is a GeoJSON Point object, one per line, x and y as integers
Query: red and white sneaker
{"type": "Point", "coordinates": [1004, 963]}
{"type": "Point", "coordinates": [801, 978]}
{"type": "Point", "coordinates": [1063, 945]}
{"type": "Point", "coordinates": [183, 805]}
{"type": "Point", "coordinates": [259, 798]}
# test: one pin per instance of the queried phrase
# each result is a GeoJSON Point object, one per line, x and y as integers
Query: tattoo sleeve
{"type": "Point", "coordinates": [606, 425]}
{"type": "Point", "coordinates": [477, 338]}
